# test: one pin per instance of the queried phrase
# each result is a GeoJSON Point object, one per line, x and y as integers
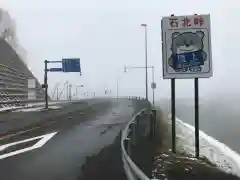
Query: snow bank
{"type": "Point", "coordinates": [217, 152]}
{"type": "Point", "coordinates": [37, 109]}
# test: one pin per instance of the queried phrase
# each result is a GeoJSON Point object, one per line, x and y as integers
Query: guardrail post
{"type": "Point", "coordinates": [127, 146]}
{"type": "Point", "coordinates": [154, 116]}
{"type": "Point", "coordinates": [133, 138]}
{"type": "Point", "coordinates": [151, 126]}
{"type": "Point", "coordinates": [137, 126]}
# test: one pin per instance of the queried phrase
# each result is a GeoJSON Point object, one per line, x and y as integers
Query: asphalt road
{"type": "Point", "coordinates": [79, 141]}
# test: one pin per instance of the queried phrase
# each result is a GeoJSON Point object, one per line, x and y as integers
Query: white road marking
{"type": "Point", "coordinates": [40, 143]}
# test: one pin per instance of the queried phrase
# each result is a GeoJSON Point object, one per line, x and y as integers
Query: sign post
{"type": "Point", "coordinates": [45, 85]}
{"type": "Point", "coordinates": [68, 65]}
{"type": "Point", "coordinates": [173, 109]}
{"type": "Point", "coordinates": [153, 86]}
{"type": "Point", "coordinates": [196, 117]}
{"type": "Point", "coordinates": [186, 54]}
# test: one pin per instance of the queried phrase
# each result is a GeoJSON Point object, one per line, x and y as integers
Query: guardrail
{"type": "Point", "coordinates": [142, 124]}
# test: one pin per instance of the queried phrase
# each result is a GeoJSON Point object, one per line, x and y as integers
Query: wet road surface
{"type": "Point", "coordinates": [61, 147]}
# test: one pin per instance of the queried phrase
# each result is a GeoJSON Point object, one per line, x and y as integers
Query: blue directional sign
{"type": "Point", "coordinates": [71, 65]}
{"type": "Point", "coordinates": [55, 69]}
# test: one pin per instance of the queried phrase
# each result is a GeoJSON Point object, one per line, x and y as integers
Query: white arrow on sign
{"type": "Point", "coordinates": [42, 140]}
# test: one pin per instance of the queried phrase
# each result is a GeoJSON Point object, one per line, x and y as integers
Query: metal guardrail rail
{"type": "Point", "coordinates": [129, 137]}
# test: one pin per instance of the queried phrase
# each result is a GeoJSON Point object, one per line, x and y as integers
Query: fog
{"type": "Point", "coordinates": [107, 35]}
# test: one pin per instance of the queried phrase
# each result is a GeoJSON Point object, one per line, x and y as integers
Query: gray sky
{"type": "Point", "coordinates": [107, 35]}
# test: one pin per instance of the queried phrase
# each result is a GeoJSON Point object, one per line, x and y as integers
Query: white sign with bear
{"type": "Point", "coordinates": [186, 47]}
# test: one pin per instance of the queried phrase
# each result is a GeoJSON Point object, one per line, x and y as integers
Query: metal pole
{"type": "Point", "coordinates": [67, 90]}
{"type": "Point", "coordinates": [196, 118]}
{"type": "Point", "coordinates": [153, 89]}
{"type": "Point", "coordinates": [117, 88]}
{"type": "Point", "coordinates": [70, 92]}
{"type": "Point", "coordinates": [76, 92]}
{"type": "Point", "coordinates": [57, 93]}
{"type": "Point", "coordinates": [173, 115]}
{"type": "Point", "coordinates": [46, 85]}
{"type": "Point", "coordinates": [146, 62]}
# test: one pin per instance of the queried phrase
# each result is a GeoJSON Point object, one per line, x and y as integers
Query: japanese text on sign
{"type": "Point", "coordinates": [186, 21]}
{"type": "Point", "coordinates": [186, 46]}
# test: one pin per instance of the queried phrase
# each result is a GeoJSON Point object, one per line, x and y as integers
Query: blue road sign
{"type": "Point", "coordinates": [55, 69]}
{"type": "Point", "coordinates": [71, 65]}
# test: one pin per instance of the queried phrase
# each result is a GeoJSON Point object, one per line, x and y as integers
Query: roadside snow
{"type": "Point", "coordinates": [215, 151]}
{"type": "Point", "coordinates": [36, 109]}
{"type": "Point", "coordinates": [7, 108]}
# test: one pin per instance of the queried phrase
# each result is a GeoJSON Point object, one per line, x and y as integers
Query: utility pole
{"type": "Point", "coordinates": [57, 94]}
{"type": "Point", "coordinates": [153, 88]}
{"type": "Point", "coordinates": [46, 84]}
{"type": "Point", "coordinates": [70, 92]}
{"type": "Point", "coordinates": [76, 92]}
{"type": "Point", "coordinates": [117, 88]}
{"type": "Point", "coordinates": [146, 59]}
{"type": "Point", "coordinates": [67, 90]}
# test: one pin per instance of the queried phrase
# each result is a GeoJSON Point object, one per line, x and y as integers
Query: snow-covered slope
{"type": "Point", "coordinates": [217, 152]}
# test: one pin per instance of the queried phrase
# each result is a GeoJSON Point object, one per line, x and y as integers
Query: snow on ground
{"type": "Point", "coordinates": [36, 109]}
{"type": "Point", "coordinates": [32, 106]}
{"type": "Point", "coordinates": [7, 108]}
{"type": "Point", "coordinates": [215, 151]}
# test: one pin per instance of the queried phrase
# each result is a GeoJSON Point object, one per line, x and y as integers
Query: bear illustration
{"type": "Point", "coordinates": [187, 51]}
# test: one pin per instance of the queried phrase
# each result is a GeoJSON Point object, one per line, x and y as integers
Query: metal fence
{"type": "Point", "coordinates": [17, 89]}
{"type": "Point", "coordinates": [142, 125]}
{"type": "Point", "coordinates": [14, 73]}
